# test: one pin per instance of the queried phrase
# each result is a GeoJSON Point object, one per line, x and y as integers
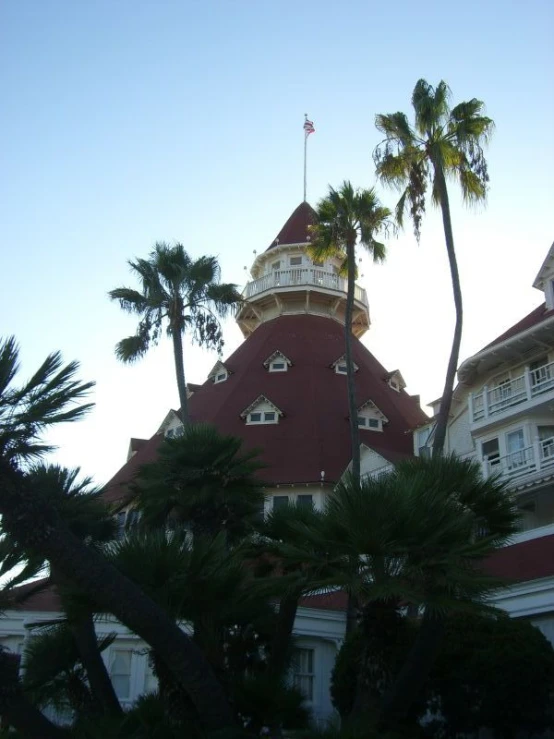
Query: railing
{"type": "Point", "coordinates": [534, 458]}
{"type": "Point", "coordinates": [491, 401]}
{"type": "Point", "coordinates": [299, 277]}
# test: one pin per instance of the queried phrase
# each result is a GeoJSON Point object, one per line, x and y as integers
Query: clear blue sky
{"type": "Point", "coordinates": [125, 122]}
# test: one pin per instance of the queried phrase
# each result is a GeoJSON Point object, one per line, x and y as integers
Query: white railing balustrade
{"type": "Point", "coordinates": [302, 276]}
{"type": "Point", "coordinates": [490, 401]}
{"type": "Point", "coordinates": [534, 458]}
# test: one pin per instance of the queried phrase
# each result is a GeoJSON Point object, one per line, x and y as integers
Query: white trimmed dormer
{"type": "Point", "coordinates": [395, 380]}
{"type": "Point", "coordinates": [370, 417]}
{"type": "Point", "coordinates": [339, 365]}
{"type": "Point", "coordinates": [219, 373]}
{"type": "Point", "coordinates": [277, 362]}
{"type": "Point", "coordinates": [261, 411]}
{"type": "Point", "coordinates": [545, 279]}
{"type": "Point", "coordinates": [171, 426]}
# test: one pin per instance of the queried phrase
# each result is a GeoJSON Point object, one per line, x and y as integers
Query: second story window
{"type": "Point", "coordinates": [295, 261]}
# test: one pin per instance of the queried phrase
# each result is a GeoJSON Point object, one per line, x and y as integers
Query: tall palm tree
{"type": "Point", "coordinates": [29, 518]}
{"type": "Point", "coordinates": [344, 219]}
{"type": "Point", "coordinates": [443, 143]}
{"type": "Point", "coordinates": [182, 293]}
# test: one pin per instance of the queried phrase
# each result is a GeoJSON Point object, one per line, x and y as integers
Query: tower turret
{"type": "Point", "coordinates": [285, 281]}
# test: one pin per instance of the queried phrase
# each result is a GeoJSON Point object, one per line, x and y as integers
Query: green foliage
{"type": "Point", "coordinates": [262, 700]}
{"type": "Point", "coordinates": [493, 672]}
{"type": "Point", "coordinates": [346, 217]}
{"type": "Point", "coordinates": [53, 673]}
{"type": "Point", "coordinates": [203, 479]}
{"type": "Point", "coordinates": [51, 396]}
{"type": "Point", "coordinates": [344, 677]}
{"type": "Point", "coordinates": [442, 142]}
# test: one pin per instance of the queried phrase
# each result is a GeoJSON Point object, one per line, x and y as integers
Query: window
{"type": "Point", "coordinates": [220, 377]}
{"type": "Point", "coordinates": [541, 374]}
{"type": "Point", "coordinates": [262, 417]}
{"type": "Point", "coordinates": [120, 671]}
{"type": "Point", "coordinates": [340, 369]}
{"type": "Point", "coordinates": [303, 672]}
{"type": "Point", "coordinates": [305, 501]}
{"type": "Point", "coordinates": [546, 441]}
{"type": "Point", "coordinates": [317, 263]}
{"type": "Point", "coordinates": [491, 452]}
{"type": "Point", "coordinates": [369, 423]}
{"type": "Point", "coordinates": [280, 501]}
{"type": "Point", "coordinates": [422, 442]}
{"type": "Point", "coordinates": [174, 433]}
{"type": "Point", "coordinates": [515, 446]}
{"type": "Point", "coordinates": [276, 265]}
{"type": "Point", "coordinates": [394, 385]}
{"type": "Point", "coordinates": [295, 261]}
{"type": "Point", "coordinates": [278, 366]}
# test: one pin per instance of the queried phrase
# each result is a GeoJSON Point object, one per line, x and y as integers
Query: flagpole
{"type": "Point", "coordinates": [305, 156]}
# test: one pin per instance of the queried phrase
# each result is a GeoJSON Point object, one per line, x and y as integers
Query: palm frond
{"type": "Point", "coordinates": [129, 300]}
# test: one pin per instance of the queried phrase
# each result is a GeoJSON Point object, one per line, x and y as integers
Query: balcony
{"type": "Point", "coordinates": [495, 401]}
{"type": "Point", "coordinates": [303, 276]}
{"type": "Point", "coordinates": [535, 458]}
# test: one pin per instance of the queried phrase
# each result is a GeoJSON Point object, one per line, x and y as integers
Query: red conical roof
{"type": "Point", "coordinates": [313, 434]}
{"type": "Point", "coordinates": [295, 230]}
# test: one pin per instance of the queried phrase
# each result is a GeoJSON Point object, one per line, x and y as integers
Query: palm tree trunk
{"type": "Point", "coordinates": [352, 408]}
{"type": "Point", "coordinates": [446, 401]}
{"type": "Point", "coordinates": [35, 524]}
{"type": "Point", "coordinates": [15, 708]}
{"type": "Point", "coordinates": [180, 374]}
{"type": "Point", "coordinates": [281, 642]}
{"type": "Point", "coordinates": [101, 686]}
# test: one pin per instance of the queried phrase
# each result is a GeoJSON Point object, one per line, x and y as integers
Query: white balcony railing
{"type": "Point", "coordinates": [534, 458]}
{"type": "Point", "coordinates": [302, 276]}
{"type": "Point", "coordinates": [491, 401]}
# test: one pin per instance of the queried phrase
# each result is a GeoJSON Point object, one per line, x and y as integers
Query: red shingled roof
{"type": "Point", "coordinates": [539, 314]}
{"type": "Point", "coordinates": [37, 596]}
{"type": "Point", "coordinates": [295, 230]}
{"type": "Point", "coordinates": [527, 560]}
{"type": "Point", "coordinates": [313, 435]}
{"type": "Point", "coordinates": [335, 601]}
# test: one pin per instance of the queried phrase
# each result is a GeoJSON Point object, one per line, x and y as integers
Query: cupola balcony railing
{"type": "Point", "coordinates": [302, 276]}
{"type": "Point", "coordinates": [531, 384]}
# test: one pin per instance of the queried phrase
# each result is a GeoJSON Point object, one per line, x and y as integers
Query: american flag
{"type": "Point", "coordinates": [308, 127]}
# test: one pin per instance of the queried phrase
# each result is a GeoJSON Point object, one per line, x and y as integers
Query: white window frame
{"type": "Point", "coordinates": [339, 369]}
{"type": "Point", "coordinates": [370, 423]}
{"type": "Point", "coordinates": [220, 377]}
{"type": "Point", "coordinates": [282, 368]}
{"type": "Point", "coordinates": [302, 678]}
{"type": "Point", "coordinates": [113, 656]}
{"type": "Point", "coordinates": [394, 385]}
{"type": "Point", "coordinates": [263, 420]}
{"type": "Point", "coordinates": [296, 263]}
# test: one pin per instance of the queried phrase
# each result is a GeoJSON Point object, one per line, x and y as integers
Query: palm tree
{"type": "Point", "coordinates": [185, 294]}
{"type": "Point", "coordinates": [345, 218]}
{"type": "Point", "coordinates": [443, 142]}
{"type": "Point", "coordinates": [202, 479]}
{"type": "Point", "coordinates": [81, 507]}
{"type": "Point", "coordinates": [31, 520]}
{"type": "Point", "coordinates": [417, 536]}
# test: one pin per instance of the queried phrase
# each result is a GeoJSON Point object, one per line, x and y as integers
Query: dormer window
{"type": "Point", "coordinates": [175, 432]}
{"type": "Point", "coordinates": [219, 373]}
{"type": "Point", "coordinates": [340, 366]}
{"type": "Point", "coordinates": [261, 411]}
{"type": "Point", "coordinates": [370, 417]}
{"type": "Point", "coordinates": [277, 362]}
{"type": "Point", "coordinates": [395, 380]}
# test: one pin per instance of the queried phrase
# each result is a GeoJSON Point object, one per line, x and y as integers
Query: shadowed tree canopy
{"type": "Point", "coordinates": [182, 294]}
{"type": "Point", "coordinates": [444, 143]}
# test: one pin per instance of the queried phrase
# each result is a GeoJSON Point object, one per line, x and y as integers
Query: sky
{"type": "Point", "coordinates": [126, 122]}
